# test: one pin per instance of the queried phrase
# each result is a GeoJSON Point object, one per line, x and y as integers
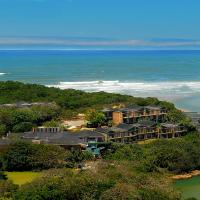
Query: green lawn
{"type": "Point", "coordinates": [20, 178]}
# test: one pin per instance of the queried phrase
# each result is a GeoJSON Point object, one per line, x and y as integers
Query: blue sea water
{"type": "Point", "coordinates": [169, 75]}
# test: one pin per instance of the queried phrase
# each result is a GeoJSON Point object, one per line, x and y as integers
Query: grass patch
{"type": "Point", "coordinates": [20, 178]}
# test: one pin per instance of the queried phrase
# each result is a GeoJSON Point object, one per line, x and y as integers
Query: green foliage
{"type": "Point", "coordinates": [128, 171]}
{"type": "Point", "coordinates": [66, 103]}
{"type": "Point", "coordinates": [177, 116]}
{"type": "Point", "coordinates": [95, 118]}
{"type": "Point", "coordinates": [125, 152]}
{"type": "Point", "coordinates": [155, 194]}
{"type": "Point", "coordinates": [7, 189]}
{"type": "Point", "coordinates": [2, 129]}
{"type": "Point", "coordinates": [180, 155]}
{"type": "Point", "coordinates": [3, 176]}
{"type": "Point", "coordinates": [52, 123]}
{"type": "Point", "coordinates": [22, 127]}
{"type": "Point", "coordinates": [48, 156]}
{"type": "Point", "coordinates": [120, 191]}
{"type": "Point", "coordinates": [17, 157]}
{"type": "Point", "coordinates": [76, 157]}
{"type": "Point", "coordinates": [12, 92]}
{"type": "Point", "coordinates": [22, 115]}
{"type": "Point", "coordinates": [23, 156]}
{"type": "Point", "coordinates": [22, 120]}
{"type": "Point", "coordinates": [104, 183]}
{"type": "Point", "coordinates": [177, 155]}
{"type": "Point", "coordinates": [64, 185]}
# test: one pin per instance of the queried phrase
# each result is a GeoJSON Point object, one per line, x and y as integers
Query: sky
{"type": "Point", "coordinates": [134, 24]}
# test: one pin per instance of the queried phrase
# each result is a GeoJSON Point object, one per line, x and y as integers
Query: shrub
{"type": "Point", "coordinates": [75, 157]}
{"type": "Point", "coordinates": [22, 127]}
{"type": "Point", "coordinates": [23, 156]}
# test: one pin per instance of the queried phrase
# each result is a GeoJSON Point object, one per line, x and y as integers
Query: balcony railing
{"type": "Point", "coordinates": [145, 132]}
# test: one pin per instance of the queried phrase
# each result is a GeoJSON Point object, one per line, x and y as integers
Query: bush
{"type": "Point", "coordinates": [7, 189]}
{"type": "Point", "coordinates": [101, 183]}
{"type": "Point", "coordinates": [23, 156]}
{"type": "Point", "coordinates": [64, 185]}
{"type": "Point", "coordinates": [125, 152]}
{"type": "Point", "coordinates": [179, 155]}
{"type": "Point", "coordinates": [95, 118]}
{"type": "Point", "coordinates": [3, 176]}
{"type": "Point", "coordinates": [22, 127]}
{"type": "Point", "coordinates": [75, 157]}
{"type": "Point", "coordinates": [18, 157]}
{"type": "Point", "coordinates": [156, 194]}
{"type": "Point", "coordinates": [51, 123]}
{"type": "Point", "coordinates": [2, 129]}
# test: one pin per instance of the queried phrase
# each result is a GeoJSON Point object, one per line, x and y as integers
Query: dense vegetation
{"type": "Point", "coordinates": [178, 155]}
{"type": "Point", "coordinates": [138, 172]}
{"type": "Point", "coordinates": [24, 156]}
{"type": "Point", "coordinates": [23, 119]}
{"type": "Point", "coordinates": [107, 182]}
{"type": "Point", "coordinates": [135, 172]}
{"type": "Point", "coordinates": [12, 92]}
{"type": "Point", "coordinates": [64, 104]}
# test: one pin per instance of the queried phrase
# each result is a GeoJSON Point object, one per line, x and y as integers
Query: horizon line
{"type": "Point", "coordinates": [18, 49]}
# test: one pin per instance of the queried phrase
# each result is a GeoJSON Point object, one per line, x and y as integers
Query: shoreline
{"type": "Point", "coordinates": [186, 176]}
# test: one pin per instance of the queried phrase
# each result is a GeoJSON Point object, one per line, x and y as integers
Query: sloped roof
{"type": "Point", "coordinates": [169, 125]}
{"type": "Point", "coordinates": [67, 138]}
{"type": "Point", "coordinates": [146, 123]}
{"type": "Point", "coordinates": [152, 107]}
{"type": "Point", "coordinates": [126, 126]}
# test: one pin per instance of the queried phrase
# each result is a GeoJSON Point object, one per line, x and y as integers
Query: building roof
{"type": "Point", "coordinates": [126, 126]}
{"type": "Point", "coordinates": [152, 107]}
{"type": "Point", "coordinates": [116, 129]}
{"type": "Point", "coordinates": [119, 128]}
{"type": "Point", "coordinates": [66, 138]}
{"type": "Point", "coordinates": [146, 123]}
{"type": "Point", "coordinates": [169, 125]}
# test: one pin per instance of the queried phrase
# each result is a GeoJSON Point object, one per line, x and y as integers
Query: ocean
{"type": "Point", "coordinates": [168, 75]}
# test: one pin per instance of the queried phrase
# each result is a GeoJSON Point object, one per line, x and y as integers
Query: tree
{"type": "Point", "coordinates": [2, 129]}
{"type": "Point", "coordinates": [24, 115]}
{"type": "Point", "coordinates": [48, 156]}
{"type": "Point", "coordinates": [23, 156]}
{"type": "Point", "coordinates": [95, 118]}
{"type": "Point", "coordinates": [3, 176]}
{"type": "Point", "coordinates": [64, 185]}
{"type": "Point", "coordinates": [175, 116]}
{"type": "Point", "coordinates": [22, 127]}
{"type": "Point", "coordinates": [7, 189]}
{"type": "Point", "coordinates": [76, 157]}
{"type": "Point", "coordinates": [18, 157]}
{"type": "Point", "coordinates": [52, 123]}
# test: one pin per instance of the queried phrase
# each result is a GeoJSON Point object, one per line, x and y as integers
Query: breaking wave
{"type": "Point", "coordinates": [159, 89]}
{"type": "Point", "coordinates": [1, 74]}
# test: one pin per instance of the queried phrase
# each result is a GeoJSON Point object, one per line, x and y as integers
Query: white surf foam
{"type": "Point", "coordinates": [160, 89]}
{"type": "Point", "coordinates": [1, 74]}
